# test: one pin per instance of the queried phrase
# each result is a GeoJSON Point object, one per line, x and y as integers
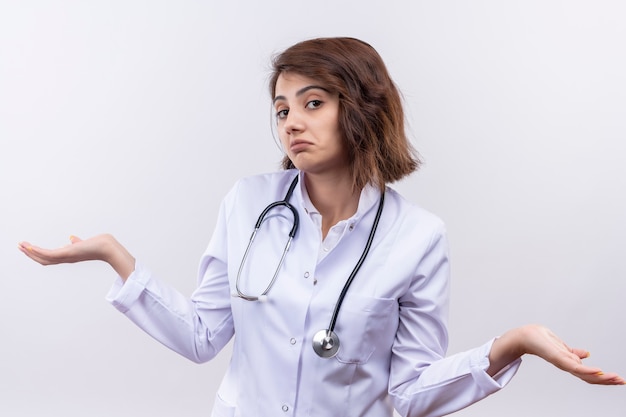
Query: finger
{"type": "Point", "coordinates": [75, 239]}
{"type": "Point", "coordinates": [27, 249]}
{"type": "Point", "coordinates": [570, 361]}
{"type": "Point", "coordinates": [44, 256]}
{"type": "Point", "coordinates": [576, 353]}
{"type": "Point", "coordinates": [594, 375]}
{"type": "Point", "coordinates": [601, 378]}
{"type": "Point", "coordinates": [35, 253]}
{"type": "Point", "coordinates": [581, 353]}
{"type": "Point", "coordinates": [587, 371]}
{"type": "Point", "coordinates": [618, 381]}
{"type": "Point", "coordinates": [30, 251]}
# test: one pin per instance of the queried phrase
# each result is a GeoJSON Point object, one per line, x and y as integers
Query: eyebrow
{"type": "Point", "coordinates": [302, 91]}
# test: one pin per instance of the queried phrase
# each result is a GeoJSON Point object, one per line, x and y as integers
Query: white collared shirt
{"type": "Point", "coordinates": [369, 196]}
{"type": "Point", "coordinates": [392, 324]}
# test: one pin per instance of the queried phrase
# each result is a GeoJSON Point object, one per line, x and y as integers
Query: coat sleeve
{"type": "Point", "coordinates": [197, 327]}
{"type": "Point", "coordinates": [423, 381]}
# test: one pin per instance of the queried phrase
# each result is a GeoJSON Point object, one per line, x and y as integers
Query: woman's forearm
{"type": "Point", "coordinates": [119, 258]}
{"type": "Point", "coordinates": [505, 349]}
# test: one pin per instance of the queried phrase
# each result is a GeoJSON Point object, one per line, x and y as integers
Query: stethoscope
{"type": "Point", "coordinates": [325, 342]}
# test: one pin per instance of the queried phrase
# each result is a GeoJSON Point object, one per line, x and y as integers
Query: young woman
{"type": "Point", "coordinates": [338, 302]}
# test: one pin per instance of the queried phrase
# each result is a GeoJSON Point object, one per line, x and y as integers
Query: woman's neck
{"type": "Point", "coordinates": [333, 197]}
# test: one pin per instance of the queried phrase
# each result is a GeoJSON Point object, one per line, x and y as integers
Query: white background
{"type": "Point", "coordinates": [135, 117]}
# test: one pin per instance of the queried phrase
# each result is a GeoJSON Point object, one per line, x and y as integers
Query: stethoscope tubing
{"type": "Point", "coordinates": [346, 286]}
{"type": "Point", "coordinates": [294, 228]}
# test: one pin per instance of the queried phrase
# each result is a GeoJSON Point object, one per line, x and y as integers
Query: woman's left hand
{"type": "Point", "coordinates": [540, 341]}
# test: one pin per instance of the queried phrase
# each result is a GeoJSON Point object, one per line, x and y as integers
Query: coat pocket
{"type": "Point", "coordinates": [361, 326]}
{"type": "Point", "coordinates": [222, 409]}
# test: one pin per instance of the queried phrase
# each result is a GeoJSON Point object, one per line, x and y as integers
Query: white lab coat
{"type": "Point", "coordinates": [392, 324]}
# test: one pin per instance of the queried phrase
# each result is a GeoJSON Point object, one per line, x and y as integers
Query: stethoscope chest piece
{"type": "Point", "coordinates": [326, 343]}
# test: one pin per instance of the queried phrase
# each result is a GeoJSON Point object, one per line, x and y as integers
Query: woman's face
{"type": "Point", "coordinates": [307, 119]}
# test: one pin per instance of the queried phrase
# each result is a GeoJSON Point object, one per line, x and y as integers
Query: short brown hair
{"type": "Point", "coordinates": [371, 117]}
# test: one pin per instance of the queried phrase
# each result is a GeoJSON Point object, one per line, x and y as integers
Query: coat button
{"type": "Point", "coordinates": [285, 408]}
{"type": "Point", "coordinates": [306, 274]}
{"type": "Point", "coordinates": [292, 341]}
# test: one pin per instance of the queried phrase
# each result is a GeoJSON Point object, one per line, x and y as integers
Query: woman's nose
{"type": "Point", "coordinates": [294, 122]}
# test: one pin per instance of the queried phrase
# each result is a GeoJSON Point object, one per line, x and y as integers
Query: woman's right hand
{"type": "Point", "coordinates": [98, 248]}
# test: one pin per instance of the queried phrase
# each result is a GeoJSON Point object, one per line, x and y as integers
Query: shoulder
{"type": "Point", "coordinates": [261, 187]}
{"type": "Point", "coordinates": [249, 195]}
{"type": "Point", "coordinates": [268, 181]}
{"type": "Point", "coordinates": [412, 216]}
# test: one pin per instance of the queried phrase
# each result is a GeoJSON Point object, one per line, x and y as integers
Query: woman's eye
{"type": "Point", "coordinates": [313, 104]}
{"type": "Point", "coordinates": [281, 114]}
